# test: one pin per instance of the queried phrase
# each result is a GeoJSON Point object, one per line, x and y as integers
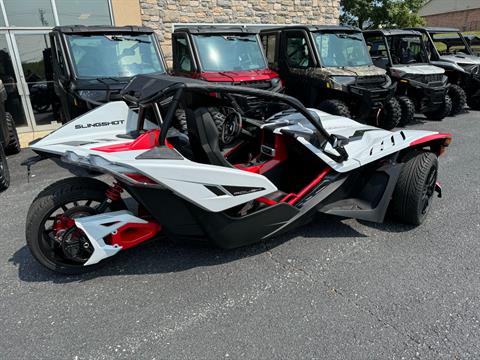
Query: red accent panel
{"type": "Point", "coordinates": [310, 186]}
{"type": "Point", "coordinates": [266, 200]}
{"type": "Point", "coordinates": [431, 137]}
{"type": "Point", "coordinates": [145, 141]}
{"type": "Point", "coordinates": [280, 155]}
{"type": "Point", "coordinates": [133, 234]}
{"type": "Point", "coordinates": [237, 76]}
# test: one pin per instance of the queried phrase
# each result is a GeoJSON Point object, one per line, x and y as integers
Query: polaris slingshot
{"type": "Point", "coordinates": [277, 173]}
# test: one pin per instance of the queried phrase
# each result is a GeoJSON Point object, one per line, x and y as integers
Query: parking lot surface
{"type": "Point", "coordinates": [334, 289]}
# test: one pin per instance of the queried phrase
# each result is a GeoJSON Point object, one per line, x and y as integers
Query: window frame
{"type": "Point", "coordinates": [311, 50]}
{"type": "Point", "coordinates": [176, 67]}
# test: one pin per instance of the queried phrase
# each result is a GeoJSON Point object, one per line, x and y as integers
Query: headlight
{"type": "Point", "coordinates": [444, 79]}
{"type": "Point", "coordinates": [275, 81]}
{"type": "Point", "coordinates": [344, 80]}
{"type": "Point", "coordinates": [93, 95]}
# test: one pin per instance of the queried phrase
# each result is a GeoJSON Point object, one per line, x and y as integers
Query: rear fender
{"type": "Point", "coordinates": [436, 143]}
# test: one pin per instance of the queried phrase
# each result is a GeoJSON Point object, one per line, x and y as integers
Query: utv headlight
{"type": "Point", "coordinates": [93, 95]}
{"type": "Point", "coordinates": [444, 79]}
{"type": "Point", "coordinates": [339, 81]}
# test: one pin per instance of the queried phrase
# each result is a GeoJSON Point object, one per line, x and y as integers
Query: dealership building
{"type": "Point", "coordinates": [24, 27]}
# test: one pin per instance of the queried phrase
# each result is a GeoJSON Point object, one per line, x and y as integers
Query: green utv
{"type": "Point", "coordinates": [329, 68]}
{"type": "Point", "coordinates": [9, 143]}
{"type": "Point", "coordinates": [421, 87]}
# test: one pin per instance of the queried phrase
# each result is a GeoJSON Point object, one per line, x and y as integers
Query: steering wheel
{"type": "Point", "coordinates": [232, 126]}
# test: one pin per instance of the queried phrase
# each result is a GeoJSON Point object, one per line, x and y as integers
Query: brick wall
{"type": "Point", "coordinates": [161, 14]}
{"type": "Point", "coordinates": [467, 20]}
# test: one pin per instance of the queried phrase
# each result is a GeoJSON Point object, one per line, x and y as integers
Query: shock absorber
{"type": "Point", "coordinates": [113, 193]}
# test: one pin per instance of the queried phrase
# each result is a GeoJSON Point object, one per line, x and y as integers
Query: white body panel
{"type": "Point", "coordinates": [417, 69]}
{"type": "Point", "coordinates": [187, 178]}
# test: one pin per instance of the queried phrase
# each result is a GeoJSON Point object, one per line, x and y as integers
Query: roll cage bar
{"type": "Point", "coordinates": [145, 90]}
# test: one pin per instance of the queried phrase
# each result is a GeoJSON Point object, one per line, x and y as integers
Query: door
{"type": "Point", "coordinates": [25, 69]}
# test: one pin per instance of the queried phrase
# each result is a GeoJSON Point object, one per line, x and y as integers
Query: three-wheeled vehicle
{"type": "Point", "coordinates": [461, 66]}
{"type": "Point", "coordinates": [329, 68]}
{"type": "Point", "coordinates": [279, 172]}
{"type": "Point", "coordinates": [421, 86]}
{"type": "Point", "coordinates": [91, 64]}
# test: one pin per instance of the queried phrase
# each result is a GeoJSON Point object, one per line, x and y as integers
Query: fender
{"type": "Point", "coordinates": [436, 142]}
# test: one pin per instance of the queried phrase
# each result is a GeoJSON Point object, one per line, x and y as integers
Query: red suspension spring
{"type": "Point", "coordinates": [114, 192]}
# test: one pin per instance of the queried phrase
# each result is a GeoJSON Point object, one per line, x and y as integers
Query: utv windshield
{"type": "Point", "coordinates": [407, 50]}
{"type": "Point", "coordinates": [229, 52]}
{"type": "Point", "coordinates": [342, 49]}
{"type": "Point", "coordinates": [115, 55]}
{"type": "Point", "coordinates": [450, 43]}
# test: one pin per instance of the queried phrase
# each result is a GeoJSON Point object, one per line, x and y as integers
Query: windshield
{"type": "Point", "coordinates": [407, 50]}
{"type": "Point", "coordinates": [450, 43]}
{"type": "Point", "coordinates": [229, 52]}
{"type": "Point", "coordinates": [103, 56]}
{"type": "Point", "coordinates": [342, 49]}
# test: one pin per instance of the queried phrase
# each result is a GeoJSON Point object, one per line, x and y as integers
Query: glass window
{"type": "Point", "coordinates": [269, 44]}
{"type": "Point", "coordinates": [407, 49]}
{"type": "Point", "coordinates": [450, 43]}
{"type": "Point", "coordinates": [29, 13]}
{"type": "Point", "coordinates": [229, 52]}
{"type": "Point", "coordinates": [298, 53]}
{"type": "Point", "coordinates": [182, 60]}
{"type": "Point", "coordinates": [378, 50]}
{"type": "Point", "coordinates": [342, 49]}
{"type": "Point", "coordinates": [83, 12]}
{"type": "Point", "coordinates": [100, 56]}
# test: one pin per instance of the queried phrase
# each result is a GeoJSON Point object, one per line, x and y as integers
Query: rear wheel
{"type": "Point", "coordinates": [335, 107]}
{"type": "Point", "coordinates": [13, 143]}
{"type": "Point", "coordinates": [459, 99]}
{"type": "Point", "coordinates": [390, 115]}
{"type": "Point", "coordinates": [4, 172]}
{"type": "Point", "coordinates": [442, 111]}
{"type": "Point", "coordinates": [408, 110]}
{"type": "Point", "coordinates": [415, 188]}
{"type": "Point", "coordinates": [51, 234]}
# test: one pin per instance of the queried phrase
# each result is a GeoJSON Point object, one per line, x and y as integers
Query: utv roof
{"type": "Point", "coordinates": [313, 28]}
{"type": "Point", "coordinates": [435, 29]}
{"type": "Point", "coordinates": [393, 32]}
{"type": "Point", "coordinates": [101, 29]}
{"type": "Point", "coordinates": [212, 29]}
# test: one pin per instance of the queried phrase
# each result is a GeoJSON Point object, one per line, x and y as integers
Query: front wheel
{"type": "Point", "coordinates": [13, 143]}
{"type": "Point", "coordinates": [51, 234]}
{"type": "Point", "coordinates": [443, 111]}
{"type": "Point", "coordinates": [335, 107]}
{"type": "Point", "coordinates": [408, 110]}
{"type": "Point", "coordinates": [459, 99]}
{"type": "Point", "coordinates": [415, 187]}
{"type": "Point", "coordinates": [4, 172]}
{"type": "Point", "coordinates": [390, 115]}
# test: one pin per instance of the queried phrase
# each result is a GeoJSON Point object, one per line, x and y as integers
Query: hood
{"type": "Point", "coordinates": [369, 70]}
{"type": "Point", "coordinates": [461, 59]}
{"type": "Point", "coordinates": [238, 76]}
{"type": "Point", "coordinates": [417, 69]}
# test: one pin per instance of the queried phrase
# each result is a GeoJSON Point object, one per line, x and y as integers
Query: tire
{"type": "Point", "coordinates": [459, 99]}
{"type": "Point", "coordinates": [50, 200]}
{"type": "Point", "coordinates": [13, 143]}
{"type": "Point", "coordinates": [391, 114]}
{"type": "Point", "coordinates": [442, 111]}
{"type": "Point", "coordinates": [335, 107]}
{"type": "Point", "coordinates": [181, 117]}
{"type": "Point", "coordinates": [408, 110]}
{"type": "Point", "coordinates": [4, 171]}
{"type": "Point", "coordinates": [474, 103]}
{"type": "Point", "coordinates": [415, 187]}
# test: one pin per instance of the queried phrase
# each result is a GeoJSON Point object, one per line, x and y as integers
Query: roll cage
{"type": "Point", "coordinates": [147, 91]}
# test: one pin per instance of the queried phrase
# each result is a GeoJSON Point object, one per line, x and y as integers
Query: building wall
{"type": "Point", "coordinates": [468, 20]}
{"type": "Point", "coordinates": [126, 12]}
{"type": "Point", "coordinates": [161, 14]}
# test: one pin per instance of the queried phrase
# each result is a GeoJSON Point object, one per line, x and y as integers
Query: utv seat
{"type": "Point", "coordinates": [203, 135]}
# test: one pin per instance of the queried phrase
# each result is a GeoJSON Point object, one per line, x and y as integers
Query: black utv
{"type": "Point", "coordinates": [9, 143]}
{"type": "Point", "coordinates": [91, 64]}
{"type": "Point", "coordinates": [461, 66]}
{"type": "Point", "coordinates": [421, 87]}
{"type": "Point", "coordinates": [329, 68]}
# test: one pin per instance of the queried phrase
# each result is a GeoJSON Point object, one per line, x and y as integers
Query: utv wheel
{"type": "Point", "coordinates": [13, 143]}
{"type": "Point", "coordinates": [390, 115]}
{"type": "Point", "coordinates": [442, 111]}
{"type": "Point", "coordinates": [335, 107]}
{"type": "Point", "coordinates": [415, 188]}
{"type": "Point", "coordinates": [459, 99]}
{"type": "Point", "coordinates": [474, 103]}
{"type": "Point", "coordinates": [73, 198]}
{"type": "Point", "coordinates": [408, 110]}
{"type": "Point", "coordinates": [4, 172]}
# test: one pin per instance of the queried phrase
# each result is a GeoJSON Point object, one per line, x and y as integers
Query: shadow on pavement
{"type": "Point", "coordinates": [165, 256]}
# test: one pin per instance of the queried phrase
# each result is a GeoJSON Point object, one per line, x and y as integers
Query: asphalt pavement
{"type": "Point", "coordinates": [334, 289]}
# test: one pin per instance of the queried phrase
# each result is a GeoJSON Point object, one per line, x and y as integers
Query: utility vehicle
{"type": "Point", "coordinates": [9, 143]}
{"type": "Point", "coordinates": [224, 54]}
{"type": "Point", "coordinates": [91, 64]}
{"type": "Point", "coordinates": [461, 66]}
{"type": "Point", "coordinates": [329, 68]}
{"type": "Point", "coordinates": [421, 86]}
{"type": "Point", "coordinates": [279, 172]}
